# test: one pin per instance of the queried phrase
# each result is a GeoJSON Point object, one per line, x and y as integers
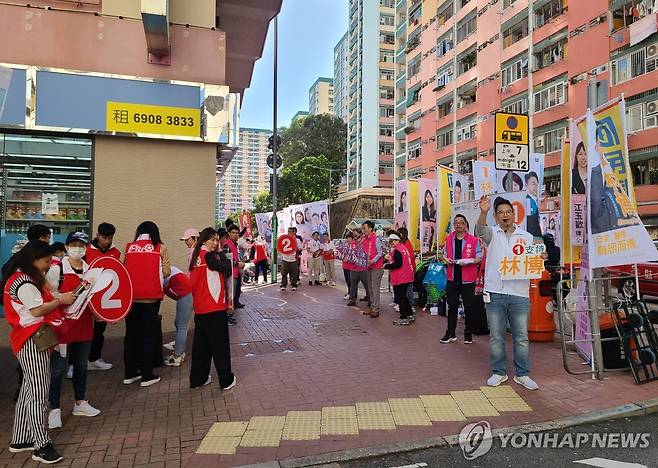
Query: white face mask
{"type": "Point", "coordinates": [75, 253]}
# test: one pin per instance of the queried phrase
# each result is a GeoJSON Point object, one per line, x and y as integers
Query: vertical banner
{"type": "Point", "coordinates": [401, 216]}
{"type": "Point", "coordinates": [244, 221]}
{"type": "Point", "coordinates": [428, 214]}
{"type": "Point", "coordinates": [444, 197]}
{"type": "Point", "coordinates": [616, 235]}
{"type": "Point", "coordinates": [460, 186]}
{"type": "Point", "coordinates": [485, 178]}
{"type": "Point", "coordinates": [319, 215]}
{"type": "Point", "coordinates": [264, 226]}
{"type": "Point", "coordinates": [577, 165]}
{"type": "Point", "coordinates": [413, 222]}
{"type": "Point", "coordinates": [570, 252]}
{"type": "Point", "coordinates": [282, 221]}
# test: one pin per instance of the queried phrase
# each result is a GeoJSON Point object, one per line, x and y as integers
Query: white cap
{"type": "Point", "coordinates": [393, 237]}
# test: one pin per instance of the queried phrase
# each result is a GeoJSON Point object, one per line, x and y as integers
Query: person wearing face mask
{"type": "Point", "coordinates": [75, 343]}
{"type": "Point", "coordinates": [507, 301]}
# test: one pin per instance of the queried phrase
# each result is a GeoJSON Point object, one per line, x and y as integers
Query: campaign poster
{"type": "Point", "coordinates": [583, 324]}
{"type": "Point", "coordinates": [401, 203]}
{"type": "Point", "coordinates": [319, 217]}
{"type": "Point", "coordinates": [578, 175]}
{"type": "Point", "coordinates": [569, 252]}
{"type": "Point", "coordinates": [549, 222]}
{"type": "Point", "coordinates": [244, 221]}
{"type": "Point", "coordinates": [413, 222]}
{"type": "Point", "coordinates": [485, 178]}
{"type": "Point", "coordinates": [615, 234]}
{"type": "Point", "coordinates": [460, 188]}
{"type": "Point", "coordinates": [264, 226]}
{"type": "Point", "coordinates": [428, 214]}
{"type": "Point", "coordinates": [471, 210]}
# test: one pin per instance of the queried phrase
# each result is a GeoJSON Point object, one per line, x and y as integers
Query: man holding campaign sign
{"type": "Point", "coordinates": [288, 245]}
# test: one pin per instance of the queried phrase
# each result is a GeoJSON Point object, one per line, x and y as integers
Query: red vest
{"type": "Point", "coordinates": [208, 287]}
{"type": "Point", "coordinates": [260, 253]}
{"type": "Point", "coordinates": [179, 285]}
{"type": "Point", "coordinates": [370, 246]}
{"type": "Point", "coordinates": [81, 329]}
{"type": "Point", "coordinates": [410, 248]}
{"type": "Point", "coordinates": [92, 253]}
{"type": "Point", "coordinates": [23, 324]}
{"type": "Point", "coordinates": [236, 256]}
{"type": "Point", "coordinates": [469, 245]}
{"type": "Point", "coordinates": [144, 266]}
{"type": "Point", "coordinates": [404, 274]}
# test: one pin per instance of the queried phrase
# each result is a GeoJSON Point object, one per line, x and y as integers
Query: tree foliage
{"type": "Point", "coordinates": [305, 181]}
{"type": "Point", "coordinates": [315, 135]}
{"type": "Point", "coordinates": [263, 202]}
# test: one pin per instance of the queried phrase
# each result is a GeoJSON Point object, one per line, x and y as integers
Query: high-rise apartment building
{"type": "Point", "coordinates": [466, 59]}
{"type": "Point", "coordinates": [246, 175]}
{"type": "Point", "coordinates": [321, 97]}
{"type": "Point", "coordinates": [371, 42]}
{"type": "Point", "coordinates": [400, 147]}
{"type": "Point", "coordinates": [341, 72]}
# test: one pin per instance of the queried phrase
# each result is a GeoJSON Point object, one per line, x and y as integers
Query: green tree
{"type": "Point", "coordinates": [305, 181]}
{"type": "Point", "coordinates": [263, 202]}
{"type": "Point", "coordinates": [321, 134]}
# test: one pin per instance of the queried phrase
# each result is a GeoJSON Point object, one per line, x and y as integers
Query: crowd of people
{"type": "Point", "coordinates": [40, 281]}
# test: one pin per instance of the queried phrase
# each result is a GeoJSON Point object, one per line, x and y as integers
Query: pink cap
{"type": "Point", "coordinates": [191, 232]}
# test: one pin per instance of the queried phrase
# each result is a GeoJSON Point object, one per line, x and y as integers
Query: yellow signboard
{"type": "Point", "coordinates": [160, 120]}
{"type": "Point", "coordinates": [511, 128]}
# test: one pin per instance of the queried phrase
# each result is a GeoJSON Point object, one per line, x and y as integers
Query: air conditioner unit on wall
{"type": "Point", "coordinates": [652, 51]}
{"type": "Point", "coordinates": [539, 142]}
{"type": "Point", "coordinates": [651, 108]}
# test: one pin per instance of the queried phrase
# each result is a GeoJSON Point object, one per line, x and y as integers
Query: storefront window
{"type": "Point", "coordinates": [45, 180]}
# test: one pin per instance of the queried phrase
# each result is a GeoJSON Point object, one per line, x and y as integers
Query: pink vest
{"type": "Point", "coordinates": [404, 274]}
{"type": "Point", "coordinates": [469, 244]}
{"type": "Point", "coordinates": [370, 246]}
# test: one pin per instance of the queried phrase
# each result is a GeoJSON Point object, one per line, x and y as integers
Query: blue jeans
{"type": "Point", "coordinates": [500, 310]}
{"type": "Point", "coordinates": [183, 314]}
{"type": "Point", "coordinates": [78, 356]}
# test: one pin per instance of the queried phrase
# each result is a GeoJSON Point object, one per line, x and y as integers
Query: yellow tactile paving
{"type": "Point", "coordinates": [473, 403]}
{"type": "Point", "coordinates": [338, 412]}
{"type": "Point", "coordinates": [269, 438]}
{"type": "Point", "coordinates": [335, 426]}
{"type": "Point", "coordinates": [406, 404]}
{"type": "Point", "coordinates": [502, 391]}
{"type": "Point", "coordinates": [438, 401]}
{"type": "Point", "coordinates": [262, 423]}
{"type": "Point", "coordinates": [228, 429]}
{"type": "Point", "coordinates": [302, 425]}
{"type": "Point", "coordinates": [218, 445]}
{"type": "Point", "coordinates": [510, 404]}
{"type": "Point", "coordinates": [445, 414]}
{"type": "Point", "coordinates": [373, 407]}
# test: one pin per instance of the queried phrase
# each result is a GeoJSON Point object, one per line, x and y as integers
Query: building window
{"type": "Point", "coordinates": [444, 108]}
{"type": "Point", "coordinates": [387, 20]}
{"type": "Point", "coordinates": [387, 75]}
{"type": "Point", "coordinates": [386, 130]}
{"type": "Point", "coordinates": [444, 15]}
{"type": "Point", "coordinates": [642, 116]}
{"type": "Point", "coordinates": [413, 68]}
{"type": "Point", "coordinates": [386, 93]}
{"type": "Point", "coordinates": [466, 131]}
{"type": "Point", "coordinates": [551, 54]}
{"type": "Point", "coordinates": [466, 28]}
{"type": "Point", "coordinates": [634, 64]}
{"type": "Point", "coordinates": [514, 72]}
{"type": "Point", "coordinates": [444, 46]}
{"type": "Point", "coordinates": [387, 56]}
{"type": "Point", "coordinates": [550, 142]}
{"type": "Point", "coordinates": [547, 12]}
{"type": "Point", "coordinates": [515, 33]}
{"type": "Point", "coordinates": [386, 148]}
{"type": "Point", "coordinates": [386, 38]}
{"type": "Point", "coordinates": [631, 11]}
{"type": "Point", "coordinates": [443, 138]}
{"type": "Point", "coordinates": [508, 3]}
{"type": "Point", "coordinates": [444, 76]}
{"type": "Point", "coordinates": [414, 149]}
{"type": "Point", "coordinates": [387, 3]}
{"type": "Point", "coordinates": [551, 96]}
{"type": "Point", "coordinates": [467, 61]}
{"type": "Point", "coordinates": [385, 111]}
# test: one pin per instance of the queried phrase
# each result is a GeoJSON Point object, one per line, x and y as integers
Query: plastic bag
{"type": "Point", "coordinates": [436, 276]}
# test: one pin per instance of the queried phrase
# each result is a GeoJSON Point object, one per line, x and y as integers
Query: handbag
{"type": "Point", "coordinates": [44, 338]}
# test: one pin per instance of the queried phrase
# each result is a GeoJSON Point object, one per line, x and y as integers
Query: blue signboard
{"type": "Point", "coordinates": [13, 112]}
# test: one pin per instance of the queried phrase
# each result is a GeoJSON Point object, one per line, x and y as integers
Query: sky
{"type": "Point", "coordinates": [308, 32]}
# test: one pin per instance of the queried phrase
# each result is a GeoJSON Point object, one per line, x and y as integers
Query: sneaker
{"type": "Point", "coordinates": [207, 382]}
{"type": "Point", "coordinates": [24, 447]}
{"type": "Point", "coordinates": [333, 283]}
{"type": "Point", "coordinates": [282, 288]}
{"type": "Point", "coordinates": [346, 297]}
{"type": "Point", "coordinates": [294, 288]}
{"type": "Point", "coordinates": [150, 381]}
{"type": "Point", "coordinates": [396, 308]}
{"type": "Point", "coordinates": [468, 339]}
{"type": "Point", "coordinates": [527, 382]}
{"type": "Point", "coordinates": [365, 299]}
{"type": "Point", "coordinates": [47, 454]}
{"type": "Point", "coordinates": [402, 322]}
{"type": "Point", "coordinates": [496, 380]}
{"type": "Point", "coordinates": [55, 419]}
{"type": "Point", "coordinates": [85, 409]}
{"type": "Point", "coordinates": [174, 361]}
{"type": "Point", "coordinates": [351, 304]}
{"type": "Point", "coordinates": [170, 346]}
{"type": "Point", "coordinates": [232, 321]}
{"type": "Point", "coordinates": [130, 380]}
{"type": "Point", "coordinates": [99, 364]}
{"type": "Point", "coordinates": [69, 372]}
{"type": "Point", "coordinates": [448, 338]}
{"type": "Point", "coordinates": [233, 384]}
{"type": "Point", "coordinates": [411, 318]}
{"type": "Point", "coordinates": [310, 283]}
{"type": "Point", "coordinates": [239, 306]}
{"type": "Point", "coordinates": [317, 283]}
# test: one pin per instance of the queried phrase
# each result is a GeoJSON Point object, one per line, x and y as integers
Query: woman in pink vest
{"type": "Point", "coordinates": [462, 254]}
{"type": "Point", "coordinates": [147, 262]}
{"type": "Point", "coordinates": [402, 274]}
{"type": "Point", "coordinates": [209, 269]}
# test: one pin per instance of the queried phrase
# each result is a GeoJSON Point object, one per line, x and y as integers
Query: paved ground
{"type": "Point", "coordinates": [301, 351]}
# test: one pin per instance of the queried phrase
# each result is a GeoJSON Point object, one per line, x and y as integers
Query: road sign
{"type": "Point", "coordinates": [270, 161]}
{"type": "Point", "coordinates": [286, 244]}
{"type": "Point", "coordinates": [113, 301]}
{"type": "Point", "coordinates": [512, 142]}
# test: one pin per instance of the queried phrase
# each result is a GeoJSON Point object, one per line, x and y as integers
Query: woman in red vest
{"type": "Point", "coordinates": [462, 254]}
{"type": "Point", "coordinates": [402, 274]}
{"type": "Point", "coordinates": [258, 255]}
{"type": "Point", "coordinates": [75, 344]}
{"type": "Point", "coordinates": [147, 262]}
{"type": "Point", "coordinates": [209, 268]}
{"type": "Point", "coordinates": [28, 306]}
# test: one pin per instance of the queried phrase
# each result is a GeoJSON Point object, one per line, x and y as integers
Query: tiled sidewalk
{"type": "Point", "coordinates": [295, 354]}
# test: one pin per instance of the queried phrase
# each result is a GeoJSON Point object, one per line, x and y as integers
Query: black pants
{"type": "Point", "coordinates": [467, 293]}
{"type": "Point", "coordinates": [211, 342]}
{"type": "Point", "coordinates": [401, 298]}
{"type": "Point", "coordinates": [139, 342]}
{"type": "Point", "coordinates": [346, 274]}
{"type": "Point", "coordinates": [237, 291]}
{"type": "Point", "coordinates": [262, 266]}
{"type": "Point", "coordinates": [97, 342]}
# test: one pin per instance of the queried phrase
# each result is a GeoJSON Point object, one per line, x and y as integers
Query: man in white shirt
{"type": "Point", "coordinates": [328, 255]}
{"type": "Point", "coordinates": [314, 249]}
{"type": "Point", "coordinates": [506, 300]}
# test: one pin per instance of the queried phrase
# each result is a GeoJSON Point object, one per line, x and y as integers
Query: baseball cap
{"type": "Point", "coordinates": [393, 237]}
{"type": "Point", "coordinates": [190, 232]}
{"type": "Point", "coordinates": [79, 236]}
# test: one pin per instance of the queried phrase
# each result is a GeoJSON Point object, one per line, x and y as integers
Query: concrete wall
{"type": "Point", "coordinates": [196, 13]}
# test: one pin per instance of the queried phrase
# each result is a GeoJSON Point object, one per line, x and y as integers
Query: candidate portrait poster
{"type": "Point", "coordinates": [264, 226]}
{"type": "Point", "coordinates": [428, 213]}
{"type": "Point", "coordinates": [413, 222]}
{"type": "Point", "coordinates": [471, 210]}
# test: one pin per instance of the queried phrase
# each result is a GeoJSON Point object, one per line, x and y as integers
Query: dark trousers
{"type": "Point", "coordinates": [139, 342]}
{"type": "Point", "coordinates": [346, 274]}
{"type": "Point", "coordinates": [467, 293]}
{"type": "Point", "coordinates": [262, 266]}
{"type": "Point", "coordinates": [211, 342]}
{"type": "Point", "coordinates": [97, 342]}
{"type": "Point", "coordinates": [355, 278]}
{"type": "Point", "coordinates": [78, 357]}
{"type": "Point", "coordinates": [237, 289]}
{"type": "Point", "coordinates": [289, 269]}
{"type": "Point", "coordinates": [401, 298]}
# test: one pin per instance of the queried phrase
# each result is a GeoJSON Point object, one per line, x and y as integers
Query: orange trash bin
{"type": "Point", "coordinates": [541, 326]}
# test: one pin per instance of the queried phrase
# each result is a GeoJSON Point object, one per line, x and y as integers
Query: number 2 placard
{"type": "Point", "coordinates": [114, 300]}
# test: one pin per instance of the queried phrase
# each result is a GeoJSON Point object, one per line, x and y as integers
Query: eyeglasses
{"type": "Point", "coordinates": [503, 213]}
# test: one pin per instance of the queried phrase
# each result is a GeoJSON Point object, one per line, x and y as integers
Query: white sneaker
{"type": "Point", "coordinates": [333, 283]}
{"type": "Point", "coordinates": [233, 384]}
{"type": "Point", "coordinates": [55, 419]}
{"type": "Point", "coordinates": [396, 308]}
{"type": "Point", "coordinates": [346, 296]}
{"type": "Point", "coordinates": [148, 383]}
{"type": "Point", "coordinates": [174, 361]}
{"type": "Point", "coordinates": [85, 409]}
{"type": "Point", "coordinates": [69, 372]}
{"type": "Point", "coordinates": [496, 380]}
{"type": "Point", "coordinates": [169, 346]}
{"type": "Point", "coordinates": [527, 382]}
{"type": "Point", "coordinates": [207, 382]}
{"type": "Point", "coordinates": [98, 364]}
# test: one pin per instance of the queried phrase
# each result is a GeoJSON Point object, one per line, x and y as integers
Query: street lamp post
{"type": "Point", "coordinates": [275, 221]}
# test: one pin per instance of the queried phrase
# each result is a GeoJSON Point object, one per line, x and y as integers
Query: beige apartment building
{"type": "Point", "coordinates": [321, 97]}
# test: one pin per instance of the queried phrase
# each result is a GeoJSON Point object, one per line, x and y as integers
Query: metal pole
{"type": "Point", "coordinates": [275, 222]}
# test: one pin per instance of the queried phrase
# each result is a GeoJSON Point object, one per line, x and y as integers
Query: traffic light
{"type": "Point", "coordinates": [270, 145]}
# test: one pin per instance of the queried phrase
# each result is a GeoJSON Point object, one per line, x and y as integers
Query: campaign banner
{"type": "Point", "coordinates": [485, 178]}
{"type": "Point", "coordinates": [550, 223]}
{"type": "Point", "coordinates": [460, 186]}
{"type": "Point", "coordinates": [525, 262]}
{"type": "Point", "coordinates": [583, 324]}
{"type": "Point", "coordinates": [413, 221]}
{"type": "Point", "coordinates": [616, 235]}
{"type": "Point", "coordinates": [428, 214]}
{"type": "Point", "coordinates": [318, 214]}
{"type": "Point", "coordinates": [264, 226]}
{"type": "Point", "coordinates": [353, 254]}
{"type": "Point", "coordinates": [244, 221]}
{"type": "Point", "coordinates": [577, 165]}
{"type": "Point", "coordinates": [570, 253]}
{"type": "Point", "coordinates": [471, 210]}
{"type": "Point", "coordinates": [282, 221]}
{"type": "Point", "coordinates": [401, 202]}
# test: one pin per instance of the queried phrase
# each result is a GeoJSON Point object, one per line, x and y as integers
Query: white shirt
{"type": "Point", "coordinates": [328, 246]}
{"type": "Point", "coordinates": [499, 247]}
{"type": "Point", "coordinates": [293, 256]}
{"type": "Point", "coordinates": [313, 246]}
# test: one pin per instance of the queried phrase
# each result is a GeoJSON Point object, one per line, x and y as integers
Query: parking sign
{"type": "Point", "coordinates": [512, 142]}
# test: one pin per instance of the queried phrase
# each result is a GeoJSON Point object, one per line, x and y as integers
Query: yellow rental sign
{"type": "Point", "coordinates": [156, 120]}
{"type": "Point", "coordinates": [511, 128]}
